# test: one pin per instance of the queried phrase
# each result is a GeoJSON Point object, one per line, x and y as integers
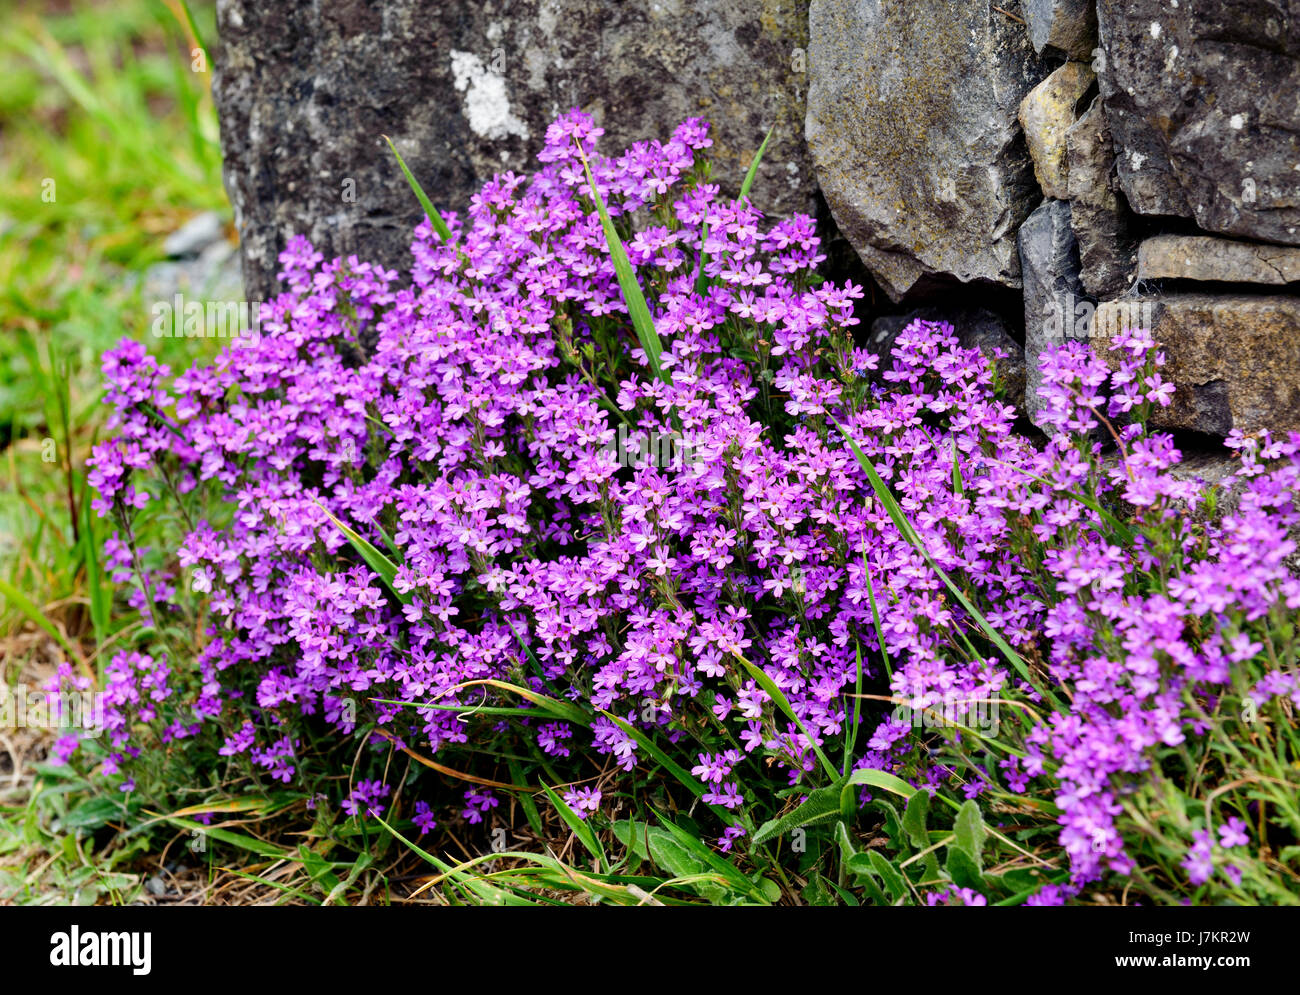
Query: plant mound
{"type": "Point", "coordinates": [516, 512]}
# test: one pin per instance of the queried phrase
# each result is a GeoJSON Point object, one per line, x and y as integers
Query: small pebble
{"type": "Point", "coordinates": [194, 236]}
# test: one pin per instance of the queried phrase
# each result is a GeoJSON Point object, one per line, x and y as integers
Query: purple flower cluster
{"type": "Point", "coordinates": [464, 424]}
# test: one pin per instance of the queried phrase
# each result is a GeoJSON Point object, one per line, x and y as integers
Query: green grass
{"type": "Point", "coordinates": [108, 142]}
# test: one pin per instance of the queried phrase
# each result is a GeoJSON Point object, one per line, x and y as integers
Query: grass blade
{"type": "Point", "coordinates": [435, 219]}
{"type": "Point", "coordinates": [783, 703]}
{"type": "Point", "coordinates": [28, 607]}
{"type": "Point", "coordinates": [374, 559]}
{"type": "Point", "coordinates": [637, 308]}
{"type": "Point", "coordinates": [752, 172]}
{"type": "Point", "coordinates": [905, 529]}
{"type": "Point", "coordinates": [679, 772]}
{"type": "Point", "coordinates": [579, 826]}
{"type": "Point", "coordinates": [702, 281]}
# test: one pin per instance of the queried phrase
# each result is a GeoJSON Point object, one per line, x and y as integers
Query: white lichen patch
{"type": "Point", "coordinates": [486, 103]}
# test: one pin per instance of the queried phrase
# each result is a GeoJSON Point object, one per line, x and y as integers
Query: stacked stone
{"type": "Point", "coordinates": [1104, 162]}
{"type": "Point", "coordinates": [1141, 158]}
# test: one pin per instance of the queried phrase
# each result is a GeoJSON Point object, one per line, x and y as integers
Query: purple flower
{"type": "Point", "coordinates": [1233, 833]}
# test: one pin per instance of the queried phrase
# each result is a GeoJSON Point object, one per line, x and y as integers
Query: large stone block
{"type": "Point", "coordinates": [1102, 222]}
{"type": "Point", "coordinates": [1046, 114]}
{"type": "Point", "coordinates": [306, 90]}
{"type": "Point", "coordinates": [1203, 101]}
{"type": "Point", "coordinates": [912, 127]}
{"type": "Point", "coordinates": [1216, 260]}
{"type": "Point", "coordinates": [1057, 308]}
{"type": "Point", "coordinates": [1068, 27]}
{"type": "Point", "coordinates": [1234, 360]}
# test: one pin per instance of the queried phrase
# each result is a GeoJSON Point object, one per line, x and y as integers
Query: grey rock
{"type": "Point", "coordinates": [1064, 27]}
{"type": "Point", "coordinates": [976, 328]}
{"type": "Point", "coordinates": [1046, 114]}
{"type": "Point", "coordinates": [1213, 471]}
{"type": "Point", "coordinates": [1222, 260]}
{"type": "Point", "coordinates": [195, 235]}
{"type": "Point", "coordinates": [1057, 308]}
{"type": "Point", "coordinates": [1101, 219]}
{"type": "Point", "coordinates": [1201, 101]}
{"type": "Point", "coordinates": [305, 92]}
{"type": "Point", "coordinates": [912, 129]}
{"type": "Point", "coordinates": [155, 886]}
{"type": "Point", "coordinates": [214, 275]}
{"type": "Point", "coordinates": [1232, 359]}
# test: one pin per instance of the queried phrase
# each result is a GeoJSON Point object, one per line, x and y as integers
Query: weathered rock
{"type": "Point", "coordinates": [1056, 306]}
{"type": "Point", "coordinates": [1233, 360]}
{"type": "Point", "coordinates": [306, 90]}
{"type": "Point", "coordinates": [212, 275]}
{"type": "Point", "coordinates": [912, 128]}
{"type": "Point", "coordinates": [1046, 114]}
{"type": "Point", "coordinates": [1201, 101]}
{"type": "Point", "coordinates": [1200, 257]}
{"type": "Point", "coordinates": [1100, 218]}
{"type": "Point", "coordinates": [195, 235]}
{"type": "Point", "coordinates": [976, 328]}
{"type": "Point", "coordinates": [1064, 27]}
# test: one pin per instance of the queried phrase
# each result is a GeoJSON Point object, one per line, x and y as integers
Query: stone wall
{"type": "Point", "coordinates": [1120, 162]}
{"type": "Point", "coordinates": [1037, 170]}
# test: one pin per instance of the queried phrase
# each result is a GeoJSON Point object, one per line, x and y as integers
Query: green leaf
{"type": "Point", "coordinates": [820, 804]}
{"type": "Point", "coordinates": [318, 868]}
{"type": "Point", "coordinates": [847, 897]}
{"type": "Point", "coordinates": [670, 855]}
{"type": "Point", "coordinates": [435, 218]}
{"type": "Point", "coordinates": [526, 802]}
{"type": "Point", "coordinates": [914, 816]}
{"type": "Point", "coordinates": [94, 812]}
{"type": "Point", "coordinates": [847, 849]}
{"type": "Point", "coordinates": [234, 839]}
{"type": "Point", "coordinates": [637, 308]}
{"type": "Point", "coordinates": [969, 830]}
{"type": "Point", "coordinates": [683, 777]}
{"type": "Point", "coordinates": [884, 781]}
{"type": "Point", "coordinates": [963, 869]}
{"type": "Point", "coordinates": [894, 881]}
{"type": "Point", "coordinates": [719, 864]}
{"type": "Point", "coordinates": [374, 559]}
{"type": "Point", "coordinates": [487, 893]}
{"type": "Point", "coordinates": [863, 872]}
{"type": "Point", "coordinates": [752, 172]}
